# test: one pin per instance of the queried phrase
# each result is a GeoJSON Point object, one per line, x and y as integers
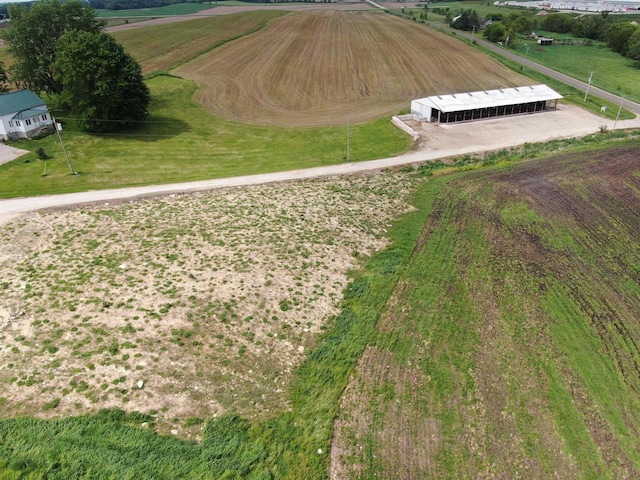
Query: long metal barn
{"type": "Point", "coordinates": [465, 107]}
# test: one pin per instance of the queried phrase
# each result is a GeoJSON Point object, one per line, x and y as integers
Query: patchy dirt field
{"type": "Point", "coordinates": [316, 68]}
{"type": "Point", "coordinates": [161, 47]}
{"type": "Point", "coordinates": [511, 345]}
{"type": "Point", "coordinates": [188, 305]}
{"type": "Point", "coordinates": [227, 10]}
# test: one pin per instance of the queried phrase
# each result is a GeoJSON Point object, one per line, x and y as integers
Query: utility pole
{"type": "Point", "coordinates": [618, 115]}
{"type": "Point", "coordinates": [526, 55]}
{"type": "Point", "coordinates": [588, 86]}
{"type": "Point", "coordinates": [55, 125]}
{"type": "Point", "coordinates": [348, 137]}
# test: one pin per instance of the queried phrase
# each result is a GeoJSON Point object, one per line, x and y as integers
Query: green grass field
{"type": "Point", "coordinates": [570, 94]}
{"type": "Point", "coordinates": [182, 142]}
{"type": "Point", "coordinates": [611, 72]}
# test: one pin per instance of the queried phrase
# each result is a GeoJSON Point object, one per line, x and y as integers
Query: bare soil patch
{"type": "Point", "coordinates": [317, 68]}
{"type": "Point", "coordinates": [227, 10]}
{"type": "Point", "coordinates": [188, 306]}
{"type": "Point", "coordinates": [167, 45]}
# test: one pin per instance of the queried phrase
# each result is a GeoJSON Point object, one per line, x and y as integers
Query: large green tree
{"type": "Point", "coordinates": [33, 35]}
{"type": "Point", "coordinates": [633, 45]}
{"type": "Point", "coordinates": [102, 85]}
{"type": "Point", "coordinates": [495, 32]}
{"type": "Point", "coordinates": [617, 36]}
{"type": "Point", "coordinates": [4, 85]}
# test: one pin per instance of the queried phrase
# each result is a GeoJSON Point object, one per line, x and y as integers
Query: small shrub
{"type": "Point", "coordinates": [51, 405]}
{"type": "Point", "coordinates": [285, 305]}
{"type": "Point", "coordinates": [191, 421]}
{"type": "Point", "coordinates": [42, 154]}
{"type": "Point", "coordinates": [182, 332]}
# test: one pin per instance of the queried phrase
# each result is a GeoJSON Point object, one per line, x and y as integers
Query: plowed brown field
{"type": "Point", "coordinates": [317, 68]}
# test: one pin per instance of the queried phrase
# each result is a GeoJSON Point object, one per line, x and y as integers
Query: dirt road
{"type": "Point", "coordinates": [438, 141]}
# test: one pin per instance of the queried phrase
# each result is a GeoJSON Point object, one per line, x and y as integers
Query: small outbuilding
{"type": "Point", "coordinates": [23, 114]}
{"type": "Point", "coordinates": [545, 41]}
{"type": "Point", "coordinates": [462, 107]}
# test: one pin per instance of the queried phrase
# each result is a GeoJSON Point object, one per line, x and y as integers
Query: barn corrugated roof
{"type": "Point", "coordinates": [490, 98]}
{"type": "Point", "coordinates": [19, 101]}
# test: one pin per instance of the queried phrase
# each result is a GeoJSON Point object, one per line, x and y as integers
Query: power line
{"type": "Point", "coordinates": [116, 121]}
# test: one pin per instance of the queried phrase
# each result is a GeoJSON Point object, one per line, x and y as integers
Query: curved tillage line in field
{"type": "Point", "coordinates": [317, 68]}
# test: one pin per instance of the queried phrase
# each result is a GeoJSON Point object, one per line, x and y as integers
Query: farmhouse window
{"type": "Point", "coordinates": [44, 117]}
{"type": "Point", "coordinates": [18, 124]}
{"type": "Point", "coordinates": [28, 121]}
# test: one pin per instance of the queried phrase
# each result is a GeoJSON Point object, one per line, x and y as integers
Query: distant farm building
{"type": "Point", "coordinates": [545, 41]}
{"type": "Point", "coordinates": [23, 114]}
{"type": "Point", "coordinates": [464, 107]}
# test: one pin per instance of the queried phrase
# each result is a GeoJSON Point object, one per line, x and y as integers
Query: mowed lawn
{"type": "Point", "coordinates": [183, 142]}
{"type": "Point", "coordinates": [611, 71]}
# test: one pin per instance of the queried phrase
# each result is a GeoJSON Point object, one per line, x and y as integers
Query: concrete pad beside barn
{"type": "Point", "coordinates": [8, 153]}
{"type": "Point", "coordinates": [493, 134]}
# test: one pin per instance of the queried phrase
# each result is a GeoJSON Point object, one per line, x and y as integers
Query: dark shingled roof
{"type": "Point", "coordinates": [18, 101]}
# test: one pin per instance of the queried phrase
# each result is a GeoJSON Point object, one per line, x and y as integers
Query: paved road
{"type": "Point", "coordinates": [580, 85]}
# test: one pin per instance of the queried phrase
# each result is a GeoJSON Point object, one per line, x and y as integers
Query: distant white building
{"type": "Point", "coordinates": [464, 107]}
{"type": "Point", "coordinates": [23, 114]}
{"type": "Point", "coordinates": [613, 6]}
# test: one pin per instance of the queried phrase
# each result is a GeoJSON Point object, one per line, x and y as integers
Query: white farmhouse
{"type": "Point", "coordinates": [23, 114]}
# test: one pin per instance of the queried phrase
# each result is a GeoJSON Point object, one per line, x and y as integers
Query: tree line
{"type": "Point", "coordinates": [60, 50]}
{"type": "Point", "coordinates": [622, 37]}
{"type": "Point", "coordinates": [133, 4]}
